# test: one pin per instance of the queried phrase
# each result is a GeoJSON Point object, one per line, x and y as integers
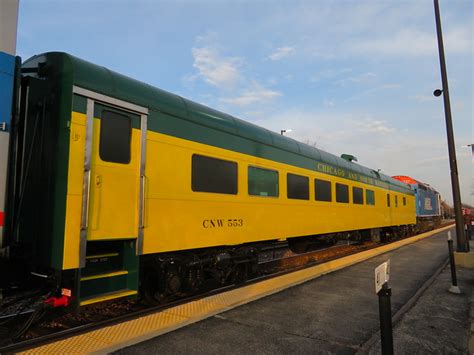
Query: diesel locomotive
{"type": "Point", "coordinates": [427, 202]}
{"type": "Point", "coordinates": [118, 189]}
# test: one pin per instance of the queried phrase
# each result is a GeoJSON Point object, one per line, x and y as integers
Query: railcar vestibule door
{"type": "Point", "coordinates": [114, 168]}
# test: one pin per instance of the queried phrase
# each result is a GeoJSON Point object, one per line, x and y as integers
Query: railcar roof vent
{"type": "Point", "coordinates": [348, 157]}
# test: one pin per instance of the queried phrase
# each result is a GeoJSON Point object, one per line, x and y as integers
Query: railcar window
{"type": "Point", "coordinates": [388, 200]}
{"type": "Point", "coordinates": [342, 193]}
{"type": "Point", "coordinates": [297, 187]}
{"type": "Point", "coordinates": [115, 136]}
{"type": "Point", "coordinates": [322, 190]}
{"type": "Point", "coordinates": [370, 197]}
{"type": "Point", "coordinates": [404, 201]}
{"type": "Point", "coordinates": [396, 201]}
{"type": "Point", "coordinates": [263, 182]}
{"type": "Point", "coordinates": [357, 195]}
{"type": "Point", "coordinates": [213, 175]}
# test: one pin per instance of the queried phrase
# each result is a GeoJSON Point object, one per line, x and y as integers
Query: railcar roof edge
{"type": "Point", "coordinates": [102, 80]}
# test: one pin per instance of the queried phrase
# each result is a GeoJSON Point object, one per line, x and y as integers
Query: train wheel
{"type": "Point", "coordinates": [151, 291]}
{"type": "Point", "coordinates": [240, 274]}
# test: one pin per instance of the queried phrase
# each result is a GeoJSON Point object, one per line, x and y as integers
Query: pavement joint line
{"type": "Point", "coordinates": [215, 304]}
{"type": "Point", "coordinates": [354, 347]}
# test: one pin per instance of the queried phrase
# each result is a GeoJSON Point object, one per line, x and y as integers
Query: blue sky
{"type": "Point", "coordinates": [348, 76]}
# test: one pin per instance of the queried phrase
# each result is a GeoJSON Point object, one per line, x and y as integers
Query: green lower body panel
{"type": "Point", "coordinates": [111, 271]}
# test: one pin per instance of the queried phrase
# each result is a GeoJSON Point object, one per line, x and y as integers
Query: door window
{"type": "Point", "coordinates": [115, 136]}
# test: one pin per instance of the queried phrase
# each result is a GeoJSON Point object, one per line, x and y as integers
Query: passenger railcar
{"type": "Point", "coordinates": [118, 186]}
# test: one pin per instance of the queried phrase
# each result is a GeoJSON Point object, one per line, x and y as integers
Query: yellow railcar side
{"type": "Point", "coordinates": [177, 218]}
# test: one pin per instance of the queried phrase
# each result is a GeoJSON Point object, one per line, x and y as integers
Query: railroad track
{"type": "Point", "coordinates": [56, 326]}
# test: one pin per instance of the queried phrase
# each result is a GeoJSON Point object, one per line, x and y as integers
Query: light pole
{"type": "Point", "coordinates": [461, 237]}
{"type": "Point", "coordinates": [285, 131]}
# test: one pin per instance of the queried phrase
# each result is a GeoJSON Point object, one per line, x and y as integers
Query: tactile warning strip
{"type": "Point", "coordinates": [118, 336]}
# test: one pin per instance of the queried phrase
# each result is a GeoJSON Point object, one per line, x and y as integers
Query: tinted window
{"type": "Point", "coordinates": [115, 135]}
{"type": "Point", "coordinates": [357, 195]}
{"type": "Point", "coordinates": [388, 200]}
{"type": "Point", "coordinates": [297, 187]}
{"type": "Point", "coordinates": [263, 182]}
{"type": "Point", "coordinates": [396, 201]}
{"type": "Point", "coordinates": [213, 175]}
{"type": "Point", "coordinates": [342, 193]}
{"type": "Point", "coordinates": [370, 197]}
{"type": "Point", "coordinates": [322, 190]}
{"type": "Point", "coordinates": [404, 201]}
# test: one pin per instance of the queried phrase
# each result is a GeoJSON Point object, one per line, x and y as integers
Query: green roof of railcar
{"type": "Point", "coordinates": [102, 80]}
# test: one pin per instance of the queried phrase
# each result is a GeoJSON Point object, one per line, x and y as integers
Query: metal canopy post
{"type": "Point", "coordinates": [461, 238]}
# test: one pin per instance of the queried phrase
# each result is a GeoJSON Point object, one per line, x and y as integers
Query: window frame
{"type": "Point", "coordinates": [234, 163]}
{"type": "Point", "coordinates": [354, 188]}
{"type": "Point", "coordinates": [327, 182]}
{"type": "Point", "coordinates": [104, 141]}
{"type": "Point", "coordinates": [372, 192]}
{"type": "Point", "coordinates": [264, 169]}
{"type": "Point", "coordinates": [288, 191]}
{"type": "Point", "coordinates": [336, 190]}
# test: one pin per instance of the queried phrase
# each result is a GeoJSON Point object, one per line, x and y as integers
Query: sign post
{"type": "Point", "coordinates": [383, 290]}
{"type": "Point", "coordinates": [454, 280]}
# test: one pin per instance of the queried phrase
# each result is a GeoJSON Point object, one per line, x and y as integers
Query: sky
{"type": "Point", "coordinates": [347, 76]}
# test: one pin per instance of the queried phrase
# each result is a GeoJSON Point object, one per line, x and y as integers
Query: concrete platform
{"type": "Point", "coordinates": [338, 312]}
{"type": "Point", "coordinates": [438, 322]}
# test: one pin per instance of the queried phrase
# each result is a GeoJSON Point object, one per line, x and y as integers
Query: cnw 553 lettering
{"type": "Point", "coordinates": [220, 223]}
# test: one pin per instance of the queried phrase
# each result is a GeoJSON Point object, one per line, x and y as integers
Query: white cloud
{"type": "Point", "coordinates": [328, 103]}
{"type": "Point", "coordinates": [364, 78]}
{"type": "Point", "coordinates": [423, 98]}
{"type": "Point", "coordinates": [256, 94]}
{"type": "Point", "coordinates": [216, 70]}
{"type": "Point", "coordinates": [329, 74]}
{"type": "Point", "coordinates": [413, 42]}
{"type": "Point", "coordinates": [372, 91]}
{"type": "Point", "coordinates": [373, 126]}
{"type": "Point", "coordinates": [281, 52]}
{"type": "Point", "coordinates": [229, 75]}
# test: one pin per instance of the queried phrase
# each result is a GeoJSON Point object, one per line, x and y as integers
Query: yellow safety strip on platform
{"type": "Point", "coordinates": [125, 334]}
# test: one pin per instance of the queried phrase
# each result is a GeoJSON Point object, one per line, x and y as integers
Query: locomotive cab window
{"type": "Point", "coordinates": [322, 190]}
{"type": "Point", "coordinates": [297, 187]}
{"type": "Point", "coordinates": [388, 200]}
{"type": "Point", "coordinates": [357, 195]}
{"type": "Point", "coordinates": [115, 137]}
{"type": "Point", "coordinates": [370, 197]}
{"type": "Point", "coordinates": [342, 193]}
{"type": "Point", "coordinates": [404, 201]}
{"type": "Point", "coordinates": [396, 201]}
{"type": "Point", "coordinates": [213, 175]}
{"type": "Point", "coordinates": [263, 182]}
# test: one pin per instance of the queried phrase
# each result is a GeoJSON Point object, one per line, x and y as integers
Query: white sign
{"type": "Point", "coordinates": [382, 275]}
{"type": "Point", "coordinates": [428, 205]}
